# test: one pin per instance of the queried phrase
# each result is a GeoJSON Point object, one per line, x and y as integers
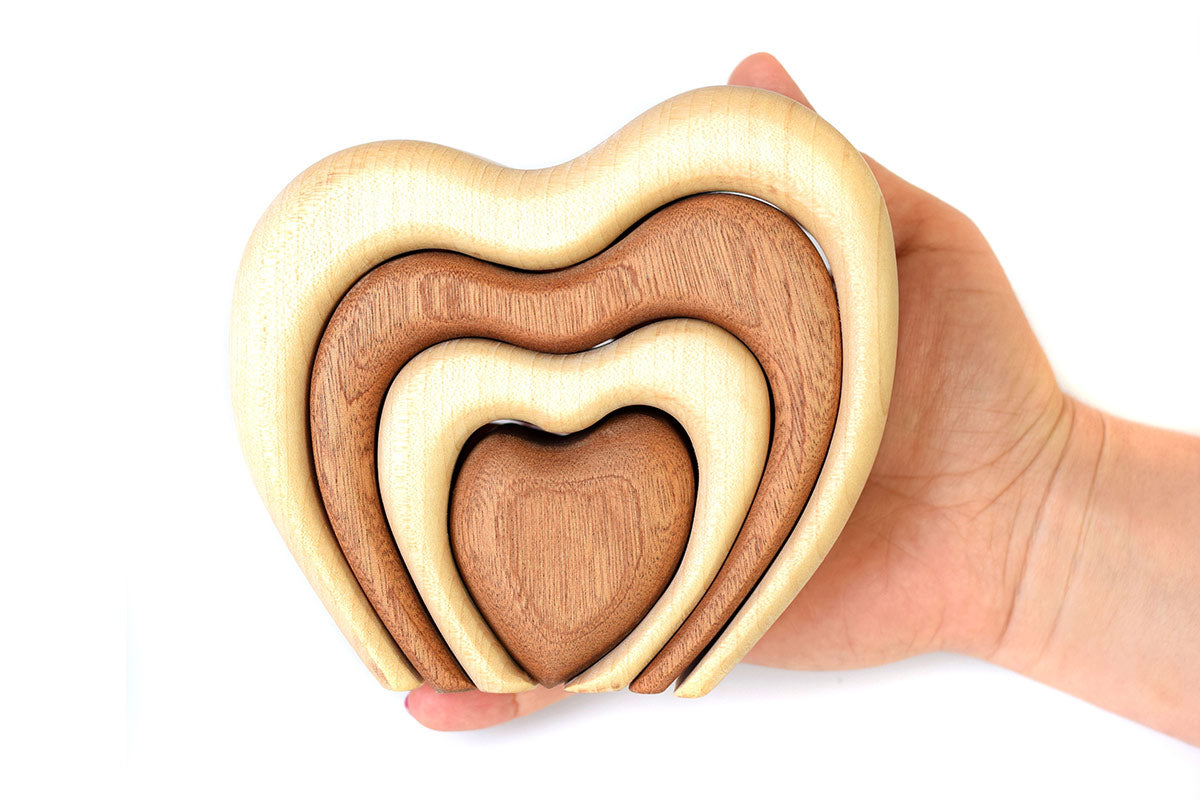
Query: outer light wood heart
{"type": "Point", "coordinates": [566, 542]}
{"type": "Point", "coordinates": [356, 209]}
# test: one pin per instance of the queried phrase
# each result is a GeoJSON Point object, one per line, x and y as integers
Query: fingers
{"type": "Point", "coordinates": [908, 206]}
{"type": "Point", "coordinates": [466, 711]}
{"type": "Point", "coordinates": [763, 71]}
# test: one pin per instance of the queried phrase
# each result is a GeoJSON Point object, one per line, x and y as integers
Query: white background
{"type": "Point", "coordinates": [156, 632]}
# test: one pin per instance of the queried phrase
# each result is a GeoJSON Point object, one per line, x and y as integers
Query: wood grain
{"type": "Point", "coordinates": [695, 371]}
{"type": "Point", "coordinates": [355, 209]}
{"type": "Point", "coordinates": [726, 259]}
{"type": "Point", "coordinates": [565, 543]}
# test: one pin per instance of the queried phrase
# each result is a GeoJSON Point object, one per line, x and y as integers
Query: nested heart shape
{"type": "Point", "coordinates": [356, 209]}
{"type": "Point", "coordinates": [566, 542]}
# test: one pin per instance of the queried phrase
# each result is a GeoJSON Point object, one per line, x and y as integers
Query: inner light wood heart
{"type": "Point", "coordinates": [695, 371]}
{"type": "Point", "coordinates": [566, 542]}
{"type": "Point", "coordinates": [727, 259]}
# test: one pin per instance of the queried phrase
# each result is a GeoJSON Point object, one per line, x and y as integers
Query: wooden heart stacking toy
{"type": "Point", "coordinates": [596, 423]}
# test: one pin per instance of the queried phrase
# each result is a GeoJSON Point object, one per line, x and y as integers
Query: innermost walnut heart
{"type": "Point", "coordinates": [566, 542]}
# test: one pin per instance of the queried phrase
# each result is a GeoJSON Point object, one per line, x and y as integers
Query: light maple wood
{"type": "Point", "coordinates": [565, 543]}
{"type": "Point", "coordinates": [698, 373]}
{"type": "Point", "coordinates": [726, 259]}
{"type": "Point", "coordinates": [355, 209]}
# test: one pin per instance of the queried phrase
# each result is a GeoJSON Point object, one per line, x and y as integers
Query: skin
{"type": "Point", "coordinates": [1002, 519]}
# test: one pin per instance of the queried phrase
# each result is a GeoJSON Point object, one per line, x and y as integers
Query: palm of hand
{"type": "Point", "coordinates": [923, 562]}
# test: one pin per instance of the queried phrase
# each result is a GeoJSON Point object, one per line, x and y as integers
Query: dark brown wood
{"type": "Point", "coordinates": [566, 542]}
{"type": "Point", "coordinates": [727, 259]}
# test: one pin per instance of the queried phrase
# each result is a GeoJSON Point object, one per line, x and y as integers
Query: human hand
{"type": "Point", "coordinates": [984, 526]}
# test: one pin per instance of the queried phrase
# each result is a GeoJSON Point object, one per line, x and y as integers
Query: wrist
{"type": "Point", "coordinates": [1044, 554]}
{"type": "Point", "coordinates": [1105, 603]}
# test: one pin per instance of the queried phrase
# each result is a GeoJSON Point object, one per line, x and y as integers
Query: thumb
{"type": "Point", "coordinates": [465, 711]}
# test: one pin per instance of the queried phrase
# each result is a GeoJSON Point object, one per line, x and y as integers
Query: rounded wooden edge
{"type": "Point", "coordinates": [357, 208]}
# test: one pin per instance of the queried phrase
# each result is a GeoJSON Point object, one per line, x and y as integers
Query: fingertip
{"type": "Point", "coordinates": [905, 202]}
{"type": "Point", "coordinates": [460, 711]}
{"type": "Point", "coordinates": [763, 71]}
